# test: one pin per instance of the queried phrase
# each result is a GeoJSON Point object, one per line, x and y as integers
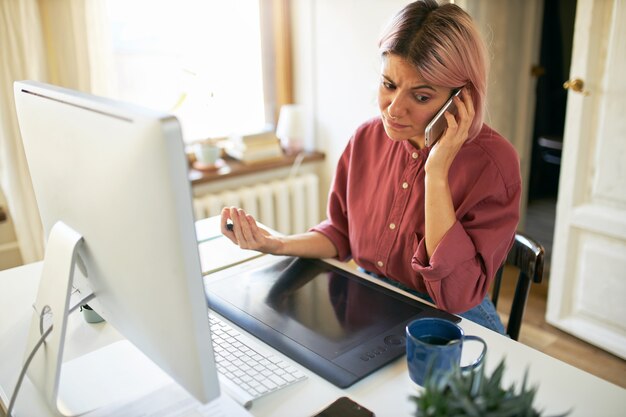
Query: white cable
{"type": "Point", "coordinates": [296, 165]}
{"type": "Point", "coordinates": [82, 302]}
{"type": "Point", "coordinates": [45, 310]}
{"type": "Point", "coordinates": [24, 368]}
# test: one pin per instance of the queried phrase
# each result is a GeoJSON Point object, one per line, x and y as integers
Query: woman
{"type": "Point", "coordinates": [437, 221]}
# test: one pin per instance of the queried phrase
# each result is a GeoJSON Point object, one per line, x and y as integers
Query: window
{"type": "Point", "coordinates": [201, 60]}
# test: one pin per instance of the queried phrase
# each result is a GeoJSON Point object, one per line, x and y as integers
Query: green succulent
{"type": "Point", "coordinates": [469, 394]}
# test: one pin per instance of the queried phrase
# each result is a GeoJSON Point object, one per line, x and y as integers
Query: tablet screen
{"type": "Point", "coordinates": [321, 307]}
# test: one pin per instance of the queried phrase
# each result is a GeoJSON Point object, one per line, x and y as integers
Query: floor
{"type": "Point", "coordinates": [535, 332]}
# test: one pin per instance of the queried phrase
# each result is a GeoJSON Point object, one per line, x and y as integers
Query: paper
{"type": "Point", "coordinates": [173, 401]}
{"type": "Point", "coordinates": [219, 253]}
{"type": "Point", "coordinates": [209, 228]}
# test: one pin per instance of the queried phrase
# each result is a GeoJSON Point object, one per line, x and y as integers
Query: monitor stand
{"type": "Point", "coordinates": [52, 307]}
{"type": "Point", "coordinates": [113, 374]}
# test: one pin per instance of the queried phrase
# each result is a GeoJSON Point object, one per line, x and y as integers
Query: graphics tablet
{"type": "Point", "coordinates": [335, 323]}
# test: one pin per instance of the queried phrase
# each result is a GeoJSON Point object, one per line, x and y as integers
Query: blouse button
{"type": "Point", "coordinates": [380, 263]}
{"type": "Point", "coordinates": [405, 185]}
{"type": "Point", "coordinates": [392, 226]}
{"type": "Point", "coordinates": [414, 155]}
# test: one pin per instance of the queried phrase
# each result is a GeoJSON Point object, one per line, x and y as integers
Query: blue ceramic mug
{"type": "Point", "coordinates": [433, 347]}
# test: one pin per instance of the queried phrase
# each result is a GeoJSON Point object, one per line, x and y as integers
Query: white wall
{"type": "Point", "coordinates": [337, 67]}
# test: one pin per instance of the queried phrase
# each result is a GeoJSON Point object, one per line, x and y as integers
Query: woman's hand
{"type": "Point", "coordinates": [445, 150]}
{"type": "Point", "coordinates": [439, 210]}
{"type": "Point", "coordinates": [246, 233]}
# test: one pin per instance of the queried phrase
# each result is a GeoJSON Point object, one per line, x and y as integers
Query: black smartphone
{"type": "Point", "coordinates": [438, 125]}
{"type": "Point", "coordinates": [345, 407]}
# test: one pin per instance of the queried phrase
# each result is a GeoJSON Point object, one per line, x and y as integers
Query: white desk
{"type": "Point", "coordinates": [561, 386]}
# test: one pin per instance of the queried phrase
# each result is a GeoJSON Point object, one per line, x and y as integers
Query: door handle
{"type": "Point", "coordinates": [577, 85]}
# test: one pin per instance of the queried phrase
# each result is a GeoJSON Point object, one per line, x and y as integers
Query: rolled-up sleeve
{"type": "Point", "coordinates": [336, 226]}
{"type": "Point", "coordinates": [458, 274]}
{"type": "Point", "coordinates": [336, 236]}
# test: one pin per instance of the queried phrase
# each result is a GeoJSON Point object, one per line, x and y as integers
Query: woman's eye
{"type": "Point", "coordinates": [387, 85]}
{"type": "Point", "coordinates": [420, 98]}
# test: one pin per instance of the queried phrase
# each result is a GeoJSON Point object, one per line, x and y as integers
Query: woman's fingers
{"type": "Point", "coordinates": [466, 111]}
{"type": "Point", "coordinates": [461, 106]}
{"type": "Point", "coordinates": [224, 222]}
{"type": "Point", "coordinates": [237, 224]}
{"type": "Point", "coordinates": [469, 103]}
{"type": "Point", "coordinates": [452, 123]}
{"type": "Point", "coordinates": [245, 231]}
{"type": "Point", "coordinates": [248, 230]}
{"type": "Point", "coordinates": [445, 150]}
{"type": "Point", "coordinates": [458, 127]}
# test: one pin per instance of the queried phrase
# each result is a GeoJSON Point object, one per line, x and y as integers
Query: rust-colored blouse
{"type": "Point", "coordinates": [376, 214]}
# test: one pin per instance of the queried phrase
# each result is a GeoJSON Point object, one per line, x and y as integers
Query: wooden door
{"type": "Point", "coordinates": [587, 290]}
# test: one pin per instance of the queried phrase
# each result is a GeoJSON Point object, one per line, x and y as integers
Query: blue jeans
{"type": "Point", "coordinates": [484, 313]}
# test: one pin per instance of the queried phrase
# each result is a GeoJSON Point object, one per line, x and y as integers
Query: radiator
{"type": "Point", "coordinates": [289, 205]}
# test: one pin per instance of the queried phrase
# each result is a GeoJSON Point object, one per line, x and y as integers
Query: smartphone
{"type": "Point", "coordinates": [438, 125]}
{"type": "Point", "coordinates": [345, 407]}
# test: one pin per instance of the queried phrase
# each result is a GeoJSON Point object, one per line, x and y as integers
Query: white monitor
{"type": "Point", "coordinates": [111, 183]}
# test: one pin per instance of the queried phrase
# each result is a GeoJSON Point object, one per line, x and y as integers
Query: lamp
{"type": "Point", "coordinates": [291, 128]}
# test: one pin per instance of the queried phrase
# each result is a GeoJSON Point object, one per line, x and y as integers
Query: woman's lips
{"type": "Point", "coordinates": [395, 125]}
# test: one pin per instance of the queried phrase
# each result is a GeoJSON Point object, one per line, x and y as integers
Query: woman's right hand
{"type": "Point", "coordinates": [246, 233]}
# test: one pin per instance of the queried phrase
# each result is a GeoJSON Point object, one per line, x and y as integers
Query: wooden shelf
{"type": "Point", "coordinates": [234, 168]}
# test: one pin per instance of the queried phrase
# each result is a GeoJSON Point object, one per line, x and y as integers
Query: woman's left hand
{"type": "Point", "coordinates": [445, 150]}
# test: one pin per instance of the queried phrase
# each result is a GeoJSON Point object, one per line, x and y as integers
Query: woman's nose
{"type": "Point", "coordinates": [397, 107]}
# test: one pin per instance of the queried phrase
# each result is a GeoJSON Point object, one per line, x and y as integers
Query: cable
{"type": "Point", "coordinates": [296, 165]}
{"type": "Point", "coordinates": [25, 367]}
{"type": "Point", "coordinates": [44, 311]}
{"type": "Point", "coordinates": [81, 302]}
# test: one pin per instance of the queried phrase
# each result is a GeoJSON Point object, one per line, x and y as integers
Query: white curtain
{"type": "Point", "coordinates": [78, 51]}
{"type": "Point", "coordinates": [59, 42]}
{"type": "Point", "coordinates": [21, 46]}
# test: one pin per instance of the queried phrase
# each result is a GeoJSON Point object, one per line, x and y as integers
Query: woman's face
{"type": "Point", "coordinates": [407, 103]}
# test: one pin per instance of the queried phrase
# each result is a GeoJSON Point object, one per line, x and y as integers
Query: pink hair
{"type": "Point", "coordinates": [445, 46]}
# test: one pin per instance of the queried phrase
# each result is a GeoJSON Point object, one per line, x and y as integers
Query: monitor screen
{"type": "Point", "coordinates": [117, 175]}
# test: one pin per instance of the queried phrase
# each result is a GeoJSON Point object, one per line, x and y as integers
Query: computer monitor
{"type": "Point", "coordinates": [111, 183]}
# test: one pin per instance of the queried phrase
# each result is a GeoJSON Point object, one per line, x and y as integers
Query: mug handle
{"type": "Point", "coordinates": [481, 357]}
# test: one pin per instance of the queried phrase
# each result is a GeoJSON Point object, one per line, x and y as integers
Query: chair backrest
{"type": "Point", "coordinates": [527, 256]}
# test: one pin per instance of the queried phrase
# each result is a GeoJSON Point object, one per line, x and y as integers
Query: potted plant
{"type": "Point", "coordinates": [474, 394]}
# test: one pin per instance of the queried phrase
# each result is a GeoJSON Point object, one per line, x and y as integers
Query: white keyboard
{"type": "Point", "coordinates": [247, 373]}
